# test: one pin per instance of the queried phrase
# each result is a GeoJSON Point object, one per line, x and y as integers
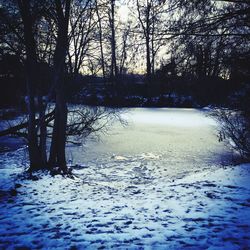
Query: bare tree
{"type": "Point", "coordinates": [100, 29]}
{"type": "Point", "coordinates": [82, 28]}
{"type": "Point", "coordinates": [114, 69]}
{"type": "Point", "coordinates": [57, 151]}
{"type": "Point", "coordinates": [153, 16]}
{"type": "Point", "coordinates": [36, 140]}
{"type": "Point", "coordinates": [37, 151]}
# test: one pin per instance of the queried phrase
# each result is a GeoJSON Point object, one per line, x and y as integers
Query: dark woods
{"type": "Point", "coordinates": [162, 53]}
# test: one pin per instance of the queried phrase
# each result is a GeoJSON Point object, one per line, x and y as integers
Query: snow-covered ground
{"type": "Point", "coordinates": [162, 182]}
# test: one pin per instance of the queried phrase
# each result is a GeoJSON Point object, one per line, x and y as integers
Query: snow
{"type": "Point", "coordinates": [149, 185]}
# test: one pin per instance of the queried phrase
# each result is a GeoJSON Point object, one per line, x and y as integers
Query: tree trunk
{"type": "Point", "coordinates": [58, 143]}
{"type": "Point", "coordinates": [43, 131]}
{"type": "Point", "coordinates": [31, 70]}
{"type": "Point", "coordinates": [100, 39]}
{"type": "Point", "coordinates": [114, 72]}
{"type": "Point", "coordinates": [148, 58]}
{"type": "Point", "coordinates": [34, 155]}
{"type": "Point", "coordinates": [148, 61]}
{"type": "Point", "coordinates": [61, 103]}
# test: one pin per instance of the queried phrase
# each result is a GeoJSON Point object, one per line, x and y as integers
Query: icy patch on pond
{"type": "Point", "coordinates": [119, 158]}
{"type": "Point", "coordinates": [150, 156]}
{"type": "Point", "coordinates": [170, 117]}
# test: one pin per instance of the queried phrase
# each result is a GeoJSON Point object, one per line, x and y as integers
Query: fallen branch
{"type": "Point", "coordinates": [13, 130]}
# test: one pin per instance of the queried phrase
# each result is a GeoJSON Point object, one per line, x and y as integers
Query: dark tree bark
{"type": "Point", "coordinates": [31, 81]}
{"type": "Point", "coordinates": [43, 129]}
{"type": "Point", "coordinates": [58, 143]}
{"type": "Point", "coordinates": [114, 70]}
{"type": "Point", "coordinates": [100, 39]}
{"type": "Point", "coordinates": [144, 19]}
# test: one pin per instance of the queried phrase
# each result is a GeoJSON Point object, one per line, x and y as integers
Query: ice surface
{"type": "Point", "coordinates": [150, 185]}
{"type": "Point", "coordinates": [150, 135]}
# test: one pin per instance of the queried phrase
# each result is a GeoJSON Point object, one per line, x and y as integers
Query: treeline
{"type": "Point", "coordinates": [163, 91]}
{"type": "Point", "coordinates": [179, 48]}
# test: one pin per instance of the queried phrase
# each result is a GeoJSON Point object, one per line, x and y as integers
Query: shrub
{"type": "Point", "coordinates": [234, 129]}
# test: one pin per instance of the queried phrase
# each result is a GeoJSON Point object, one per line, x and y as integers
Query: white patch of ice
{"type": "Point", "coordinates": [169, 117]}
{"type": "Point", "coordinates": [119, 158]}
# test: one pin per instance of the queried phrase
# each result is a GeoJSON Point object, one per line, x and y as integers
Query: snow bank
{"type": "Point", "coordinates": [209, 210]}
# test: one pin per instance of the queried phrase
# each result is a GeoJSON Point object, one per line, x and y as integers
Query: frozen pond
{"type": "Point", "coordinates": [175, 141]}
{"type": "Point", "coordinates": [162, 182]}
